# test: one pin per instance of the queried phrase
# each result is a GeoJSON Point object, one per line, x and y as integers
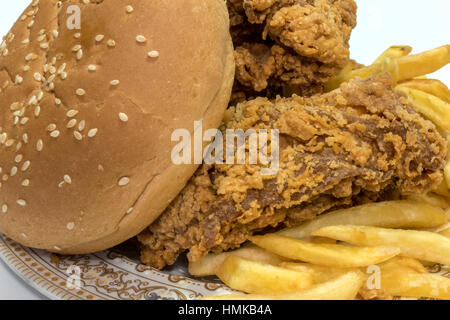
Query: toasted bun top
{"type": "Point", "coordinates": [87, 115]}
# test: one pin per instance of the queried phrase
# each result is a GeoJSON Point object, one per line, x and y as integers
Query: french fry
{"type": "Point", "coordinates": [421, 245]}
{"type": "Point", "coordinates": [209, 264]}
{"type": "Point", "coordinates": [332, 255]}
{"type": "Point", "coordinates": [432, 199]}
{"type": "Point", "coordinates": [398, 264]}
{"type": "Point", "coordinates": [430, 106]}
{"type": "Point", "coordinates": [256, 277]}
{"type": "Point", "coordinates": [393, 52]}
{"type": "Point", "coordinates": [443, 189]}
{"type": "Point", "coordinates": [430, 86]}
{"type": "Point", "coordinates": [423, 63]}
{"type": "Point", "coordinates": [402, 214]}
{"type": "Point", "coordinates": [345, 287]}
{"type": "Point", "coordinates": [319, 273]}
{"type": "Point", "coordinates": [445, 233]}
{"type": "Point", "coordinates": [401, 69]}
{"type": "Point", "coordinates": [416, 285]}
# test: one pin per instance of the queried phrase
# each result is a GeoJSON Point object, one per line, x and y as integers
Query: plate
{"type": "Point", "coordinates": [114, 274]}
{"type": "Point", "coordinates": [106, 275]}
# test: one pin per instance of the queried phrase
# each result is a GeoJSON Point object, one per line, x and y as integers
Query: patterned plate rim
{"type": "Point", "coordinates": [105, 275]}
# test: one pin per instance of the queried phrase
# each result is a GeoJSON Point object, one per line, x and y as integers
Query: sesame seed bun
{"type": "Point", "coordinates": [87, 115]}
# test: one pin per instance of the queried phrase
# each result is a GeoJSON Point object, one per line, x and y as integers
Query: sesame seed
{"type": "Point", "coordinates": [80, 92]}
{"type": "Point", "coordinates": [24, 235]}
{"type": "Point", "coordinates": [71, 113]}
{"type": "Point", "coordinates": [9, 142]}
{"type": "Point", "coordinates": [39, 145]}
{"type": "Point", "coordinates": [18, 79]}
{"type": "Point", "coordinates": [55, 33]}
{"type": "Point", "coordinates": [24, 120]}
{"type": "Point", "coordinates": [72, 123]}
{"type": "Point", "coordinates": [61, 184]}
{"type": "Point", "coordinates": [100, 168]}
{"type": "Point", "coordinates": [26, 165]}
{"type": "Point", "coordinates": [80, 54]}
{"type": "Point", "coordinates": [129, 9]}
{"type": "Point", "coordinates": [115, 82]}
{"type": "Point", "coordinates": [77, 35]}
{"type": "Point", "coordinates": [111, 43]}
{"type": "Point", "coordinates": [37, 76]}
{"type": "Point", "coordinates": [37, 111]}
{"type": "Point", "coordinates": [44, 45]}
{"type": "Point", "coordinates": [141, 39]}
{"type": "Point", "coordinates": [70, 226]}
{"type": "Point", "coordinates": [92, 133]}
{"type": "Point", "coordinates": [54, 134]}
{"type": "Point", "coordinates": [67, 179]}
{"type": "Point", "coordinates": [25, 137]}
{"type": "Point", "coordinates": [124, 181]}
{"type": "Point", "coordinates": [25, 183]}
{"type": "Point", "coordinates": [13, 171]}
{"type": "Point", "coordinates": [153, 54]}
{"type": "Point", "coordinates": [26, 68]}
{"type": "Point", "coordinates": [22, 203]}
{"type": "Point", "coordinates": [92, 67]}
{"type": "Point", "coordinates": [57, 101]}
{"type": "Point", "coordinates": [18, 158]}
{"type": "Point", "coordinates": [99, 37]}
{"type": "Point", "coordinates": [76, 48]}
{"type": "Point", "coordinates": [81, 125]}
{"type": "Point", "coordinates": [51, 127]}
{"type": "Point", "coordinates": [57, 248]}
{"type": "Point", "coordinates": [130, 210]}
{"type": "Point", "coordinates": [123, 117]}
{"type": "Point", "coordinates": [77, 135]}
{"type": "Point", "coordinates": [4, 208]}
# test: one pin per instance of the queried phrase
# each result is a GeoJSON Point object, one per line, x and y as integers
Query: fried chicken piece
{"type": "Point", "coordinates": [297, 43]}
{"type": "Point", "coordinates": [360, 143]}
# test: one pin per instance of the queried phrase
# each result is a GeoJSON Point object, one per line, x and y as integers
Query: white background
{"type": "Point", "coordinates": [381, 23]}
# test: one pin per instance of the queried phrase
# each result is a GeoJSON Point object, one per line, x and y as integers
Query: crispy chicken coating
{"type": "Point", "coordinates": [294, 43]}
{"type": "Point", "coordinates": [363, 142]}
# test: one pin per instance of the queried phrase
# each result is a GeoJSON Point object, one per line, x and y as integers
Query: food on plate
{"type": "Point", "coordinates": [361, 143]}
{"type": "Point", "coordinates": [341, 256]}
{"type": "Point", "coordinates": [87, 115]}
{"type": "Point", "coordinates": [423, 245]}
{"type": "Point", "coordinates": [256, 277]}
{"type": "Point", "coordinates": [288, 43]}
{"type": "Point", "coordinates": [344, 287]}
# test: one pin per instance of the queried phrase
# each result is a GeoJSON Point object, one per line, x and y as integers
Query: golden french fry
{"type": "Point", "coordinates": [209, 264]}
{"type": "Point", "coordinates": [345, 287]}
{"type": "Point", "coordinates": [332, 255]}
{"type": "Point", "coordinates": [255, 277]}
{"type": "Point", "coordinates": [393, 52]}
{"type": "Point", "coordinates": [319, 273]}
{"type": "Point", "coordinates": [432, 199]}
{"type": "Point", "coordinates": [443, 189]}
{"type": "Point", "coordinates": [401, 69]}
{"type": "Point", "coordinates": [416, 285]}
{"type": "Point", "coordinates": [421, 245]}
{"type": "Point", "coordinates": [430, 106]}
{"type": "Point", "coordinates": [445, 233]}
{"type": "Point", "coordinates": [423, 63]}
{"type": "Point", "coordinates": [397, 264]}
{"type": "Point", "coordinates": [402, 214]}
{"type": "Point", "coordinates": [430, 86]}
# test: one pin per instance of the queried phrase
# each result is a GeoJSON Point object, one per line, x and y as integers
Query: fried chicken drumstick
{"type": "Point", "coordinates": [360, 143]}
{"type": "Point", "coordinates": [298, 44]}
